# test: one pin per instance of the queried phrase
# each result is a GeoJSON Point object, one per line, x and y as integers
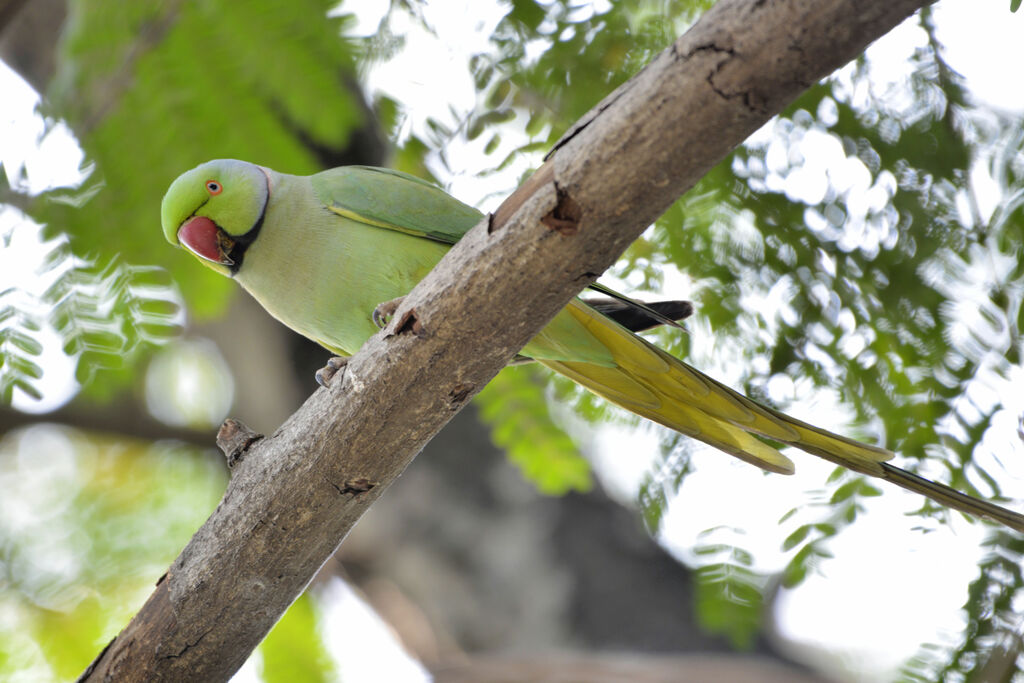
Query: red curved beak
{"type": "Point", "coordinates": [203, 238]}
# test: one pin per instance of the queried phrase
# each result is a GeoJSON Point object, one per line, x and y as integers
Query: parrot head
{"type": "Point", "coordinates": [216, 211]}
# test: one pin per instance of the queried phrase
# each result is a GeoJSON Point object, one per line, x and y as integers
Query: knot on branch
{"type": "Point", "coordinates": [409, 322]}
{"type": "Point", "coordinates": [355, 486]}
{"type": "Point", "coordinates": [459, 393]}
{"type": "Point", "coordinates": [235, 438]}
{"type": "Point", "coordinates": [565, 217]}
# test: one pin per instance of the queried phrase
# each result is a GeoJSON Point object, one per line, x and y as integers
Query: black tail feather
{"type": "Point", "coordinates": [637, 319]}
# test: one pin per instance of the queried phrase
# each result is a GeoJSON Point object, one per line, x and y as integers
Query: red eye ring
{"type": "Point", "coordinates": [213, 187]}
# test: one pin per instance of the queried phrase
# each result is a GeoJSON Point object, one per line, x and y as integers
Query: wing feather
{"type": "Point", "coordinates": [393, 200]}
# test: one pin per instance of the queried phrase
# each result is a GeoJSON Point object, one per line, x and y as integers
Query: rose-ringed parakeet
{"type": "Point", "coordinates": [322, 252]}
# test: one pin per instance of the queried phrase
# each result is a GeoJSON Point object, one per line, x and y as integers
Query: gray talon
{"type": "Point", "coordinates": [383, 313]}
{"type": "Point", "coordinates": [325, 374]}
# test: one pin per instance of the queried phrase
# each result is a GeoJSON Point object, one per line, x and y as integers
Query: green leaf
{"type": "Point", "coordinates": [788, 515]}
{"type": "Point", "coordinates": [794, 574]}
{"type": "Point", "coordinates": [527, 12]}
{"type": "Point", "coordinates": [492, 144]}
{"type": "Point", "coordinates": [29, 390]}
{"type": "Point", "coordinates": [868, 490]}
{"type": "Point", "coordinates": [797, 537]}
{"type": "Point", "coordinates": [846, 491]}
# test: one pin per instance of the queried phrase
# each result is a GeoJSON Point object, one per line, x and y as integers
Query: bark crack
{"type": "Point", "coordinates": [459, 393]}
{"type": "Point", "coordinates": [189, 646]}
{"type": "Point", "coordinates": [354, 487]}
{"type": "Point", "coordinates": [590, 118]}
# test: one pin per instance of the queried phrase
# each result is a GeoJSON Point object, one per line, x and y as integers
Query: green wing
{"type": "Point", "coordinates": [395, 201]}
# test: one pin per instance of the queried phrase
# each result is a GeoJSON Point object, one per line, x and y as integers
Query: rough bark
{"type": "Point", "coordinates": [296, 493]}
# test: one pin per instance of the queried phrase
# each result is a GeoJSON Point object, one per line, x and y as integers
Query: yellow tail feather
{"type": "Point", "coordinates": [660, 387]}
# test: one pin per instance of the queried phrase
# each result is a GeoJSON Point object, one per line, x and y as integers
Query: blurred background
{"type": "Point", "coordinates": [857, 263]}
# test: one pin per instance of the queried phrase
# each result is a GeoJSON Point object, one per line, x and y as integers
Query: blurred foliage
{"type": "Point", "coordinates": [189, 384]}
{"type": "Point", "coordinates": [660, 485]}
{"type": "Point", "coordinates": [87, 526]}
{"type": "Point", "coordinates": [842, 509]}
{"type": "Point", "coordinates": [18, 345]}
{"type": "Point", "coordinates": [730, 593]}
{"type": "Point", "coordinates": [109, 316]}
{"type": "Point", "coordinates": [843, 248]}
{"type": "Point", "coordinates": [523, 427]}
{"type": "Point", "coordinates": [294, 648]}
{"type": "Point", "coordinates": [993, 623]}
{"type": "Point", "coordinates": [551, 62]}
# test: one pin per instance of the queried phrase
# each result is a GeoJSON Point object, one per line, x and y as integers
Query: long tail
{"type": "Point", "coordinates": [660, 387]}
{"type": "Point", "coordinates": [952, 498]}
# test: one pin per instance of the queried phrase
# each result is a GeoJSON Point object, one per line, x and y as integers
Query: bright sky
{"type": "Point", "coordinates": [889, 588]}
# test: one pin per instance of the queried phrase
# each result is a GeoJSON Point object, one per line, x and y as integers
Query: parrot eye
{"type": "Point", "coordinates": [213, 187]}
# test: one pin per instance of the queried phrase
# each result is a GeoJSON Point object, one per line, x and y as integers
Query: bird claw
{"type": "Point", "coordinates": [384, 312]}
{"type": "Point", "coordinates": [325, 374]}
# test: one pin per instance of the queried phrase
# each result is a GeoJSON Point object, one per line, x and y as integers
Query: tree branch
{"type": "Point", "coordinates": [291, 499]}
{"type": "Point", "coordinates": [126, 420]}
{"type": "Point", "coordinates": [28, 33]}
{"type": "Point", "coordinates": [8, 10]}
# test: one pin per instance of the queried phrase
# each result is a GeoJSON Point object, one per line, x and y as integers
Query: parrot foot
{"type": "Point", "coordinates": [383, 313]}
{"type": "Point", "coordinates": [325, 374]}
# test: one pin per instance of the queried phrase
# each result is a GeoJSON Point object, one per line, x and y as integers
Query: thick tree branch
{"type": "Point", "coordinates": [291, 502]}
{"type": "Point", "coordinates": [8, 10]}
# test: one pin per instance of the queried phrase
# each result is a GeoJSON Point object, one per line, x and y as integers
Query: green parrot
{"type": "Point", "coordinates": [322, 253]}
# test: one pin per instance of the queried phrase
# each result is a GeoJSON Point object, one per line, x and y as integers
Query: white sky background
{"type": "Point", "coordinates": [890, 588]}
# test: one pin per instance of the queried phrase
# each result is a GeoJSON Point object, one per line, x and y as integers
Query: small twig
{"type": "Point", "coordinates": [234, 439]}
